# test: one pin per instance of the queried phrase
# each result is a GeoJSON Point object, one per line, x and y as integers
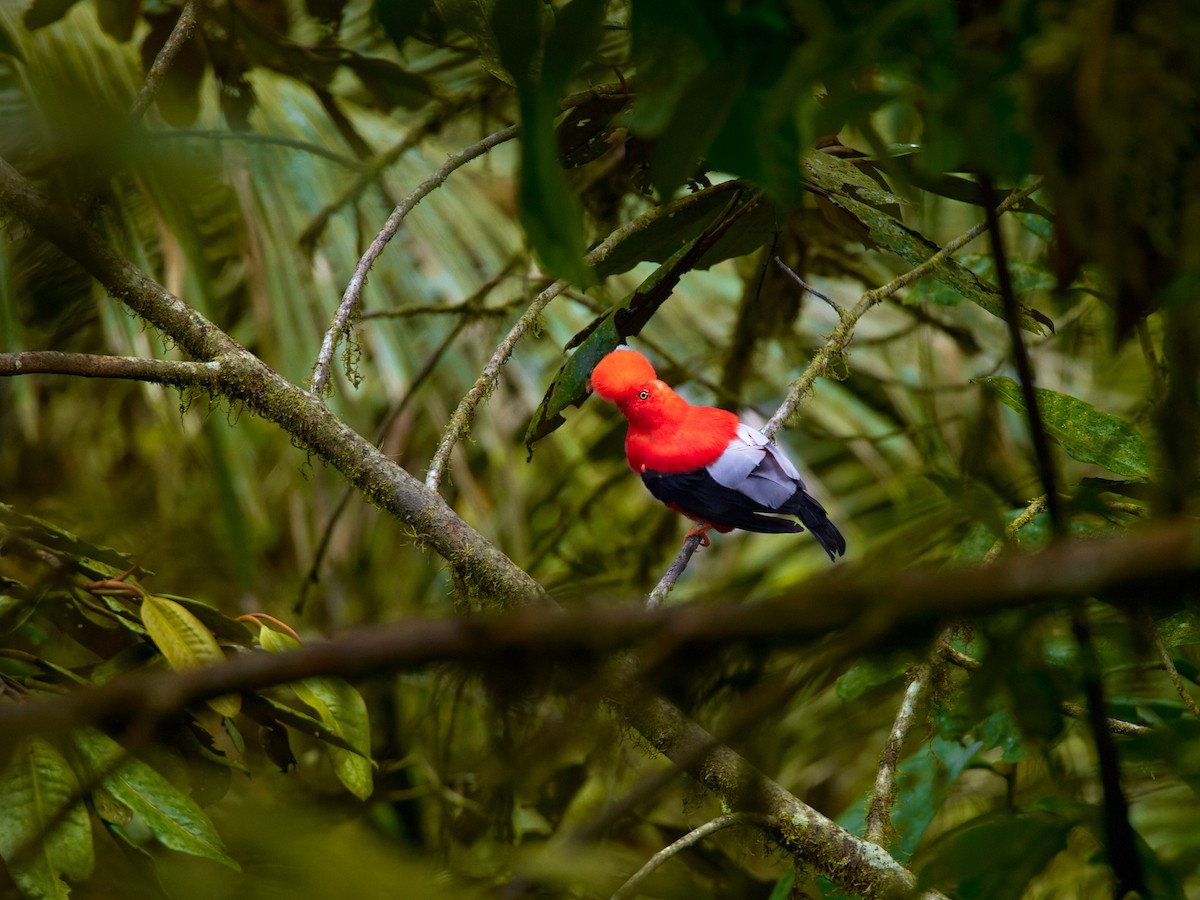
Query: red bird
{"type": "Point", "coordinates": [704, 463]}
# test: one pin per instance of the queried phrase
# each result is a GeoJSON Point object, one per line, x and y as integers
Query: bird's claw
{"type": "Point", "coordinates": [700, 531]}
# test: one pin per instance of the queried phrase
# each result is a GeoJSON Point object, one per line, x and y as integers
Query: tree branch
{"type": "Point", "coordinates": [481, 569]}
{"type": "Point", "coordinates": [1173, 673]}
{"type": "Point", "coordinates": [883, 796]}
{"type": "Point", "coordinates": [692, 837]}
{"type": "Point", "coordinates": [178, 373]}
{"type": "Point", "coordinates": [179, 35]}
{"type": "Point", "coordinates": [659, 594]}
{"type": "Point", "coordinates": [1157, 557]}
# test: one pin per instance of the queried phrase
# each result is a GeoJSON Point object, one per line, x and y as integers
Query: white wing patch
{"type": "Point", "coordinates": [753, 466]}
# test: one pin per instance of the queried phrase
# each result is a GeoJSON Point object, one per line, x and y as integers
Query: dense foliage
{"type": "Point", "coordinates": [947, 254]}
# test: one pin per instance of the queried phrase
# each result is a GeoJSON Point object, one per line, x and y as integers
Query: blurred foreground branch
{"type": "Point", "coordinates": [1154, 558]}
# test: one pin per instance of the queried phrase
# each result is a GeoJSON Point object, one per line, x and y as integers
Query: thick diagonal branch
{"type": "Point", "coordinates": [481, 567]}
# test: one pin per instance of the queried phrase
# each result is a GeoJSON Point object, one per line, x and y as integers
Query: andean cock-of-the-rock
{"type": "Point", "coordinates": [703, 462]}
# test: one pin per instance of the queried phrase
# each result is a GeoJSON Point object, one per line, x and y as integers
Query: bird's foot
{"type": "Point", "coordinates": [700, 531]}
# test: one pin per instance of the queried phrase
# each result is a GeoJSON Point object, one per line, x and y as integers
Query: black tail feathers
{"type": "Point", "coordinates": [813, 516]}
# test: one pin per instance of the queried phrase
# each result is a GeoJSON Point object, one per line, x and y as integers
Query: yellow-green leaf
{"type": "Point", "coordinates": [342, 710]}
{"type": "Point", "coordinates": [186, 643]}
{"type": "Point", "coordinates": [38, 842]}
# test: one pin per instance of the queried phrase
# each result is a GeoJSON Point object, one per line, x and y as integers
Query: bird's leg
{"type": "Point", "coordinates": [701, 531]}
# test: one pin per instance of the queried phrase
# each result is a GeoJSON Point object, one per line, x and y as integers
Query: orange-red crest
{"type": "Point", "coordinates": [620, 373]}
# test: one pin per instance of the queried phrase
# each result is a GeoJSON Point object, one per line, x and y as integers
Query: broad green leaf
{"type": "Point", "coordinates": [186, 643]}
{"type": "Point", "coordinates": [995, 857]}
{"type": "Point", "coordinates": [35, 787]}
{"type": "Point", "coordinates": [342, 710]}
{"type": "Point", "coordinates": [118, 17]}
{"type": "Point", "coordinates": [172, 817]}
{"type": "Point", "coordinates": [698, 118]}
{"type": "Point", "coordinates": [999, 730]}
{"type": "Point", "coordinates": [1182, 627]}
{"type": "Point", "coordinates": [221, 626]}
{"type": "Point", "coordinates": [16, 604]}
{"type": "Point", "coordinates": [1087, 434]}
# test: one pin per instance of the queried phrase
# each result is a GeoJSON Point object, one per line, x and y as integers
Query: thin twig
{"type": "Point", "coordinates": [353, 293]}
{"type": "Point", "coordinates": [804, 285]}
{"type": "Point", "coordinates": [178, 373]}
{"type": "Point", "coordinates": [839, 338]}
{"type": "Point", "coordinates": [692, 837]}
{"type": "Point", "coordinates": [883, 796]}
{"type": "Point", "coordinates": [659, 594]}
{"type": "Point", "coordinates": [957, 658]}
{"type": "Point", "coordinates": [1036, 507]}
{"type": "Point", "coordinates": [464, 413]}
{"type": "Point", "coordinates": [1172, 672]}
{"type": "Point", "coordinates": [1116, 726]}
{"type": "Point", "coordinates": [180, 34]}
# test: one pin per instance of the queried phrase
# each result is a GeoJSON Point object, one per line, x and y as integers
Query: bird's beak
{"type": "Point", "coordinates": [587, 385]}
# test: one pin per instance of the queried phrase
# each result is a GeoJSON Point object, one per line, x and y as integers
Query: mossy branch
{"type": "Point", "coordinates": [478, 565]}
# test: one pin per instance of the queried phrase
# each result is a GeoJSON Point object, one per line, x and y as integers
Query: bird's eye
{"type": "Point", "coordinates": [643, 395]}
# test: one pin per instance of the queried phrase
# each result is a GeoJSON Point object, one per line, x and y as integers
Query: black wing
{"type": "Point", "coordinates": [697, 494]}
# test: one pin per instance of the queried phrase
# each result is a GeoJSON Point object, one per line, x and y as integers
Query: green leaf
{"type": "Point", "coordinates": [342, 710]}
{"type": "Point", "coordinates": [118, 17]}
{"type": "Point", "coordinates": [44, 12]}
{"type": "Point", "coordinates": [995, 857]}
{"type": "Point", "coordinates": [663, 237]}
{"type": "Point", "coordinates": [39, 847]}
{"type": "Point", "coordinates": [1085, 433]}
{"type": "Point", "coordinates": [172, 817]}
{"type": "Point", "coordinates": [267, 712]}
{"type": "Point", "coordinates": [186, 643]}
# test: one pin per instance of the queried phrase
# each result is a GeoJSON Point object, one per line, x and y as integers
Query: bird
{"type": "Point", "coordinates": [704, 462]}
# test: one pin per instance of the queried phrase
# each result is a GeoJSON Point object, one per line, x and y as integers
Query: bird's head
{"type": "Point", "coordinates": [626, 378]}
